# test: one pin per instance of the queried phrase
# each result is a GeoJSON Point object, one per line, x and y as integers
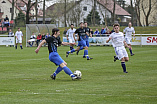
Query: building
{"type": "Point", "coordinates": [80, 10]}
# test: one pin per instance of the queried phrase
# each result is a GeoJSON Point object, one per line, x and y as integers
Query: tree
{"type": "Point", "coordinates": [20, 19]}
{"type": "Point", "coordinates": [132, 11]}
{"type": "Point", "coordinates": [44, 12]}
{"type": "Point", "coordinates": [113, 14]}
{"type": "Point", "coordinates": [29, 5]}
{"type": "Point", "coordinates": [138, 11]}
{"type": "Point", "coordinates": [97, 18]}
{"type": "Point", "coordinates": [12, 12]}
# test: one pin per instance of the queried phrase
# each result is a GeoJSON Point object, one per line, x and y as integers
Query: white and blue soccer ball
{"type": "Point", "coordinates": [77, 73]}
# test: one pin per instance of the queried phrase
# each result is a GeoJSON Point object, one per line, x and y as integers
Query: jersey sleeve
{"type": "Point", "coordinates": [67, 32]}
{"type": "Point", "coordinates": [76, 32]}
{"type": "Point", "coordinates": [48, 39]}
{"type": "Point", "coordinates": [111, 36]}
{"type": "Point", "coordinates": [59, 41]}
{"type": "Point", "coordinates": [16, 34]}
{"type": "Point", "coordinates": [133, 31]}
{"type": "Point", "coordinates": [124, 30]}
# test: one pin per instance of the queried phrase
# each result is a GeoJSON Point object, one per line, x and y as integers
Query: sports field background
{"type": "Point", "coordinates": [24, 77]}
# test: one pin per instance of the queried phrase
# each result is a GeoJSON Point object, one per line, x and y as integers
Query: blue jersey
{"type": "Point", "coordinates": [53, 43]}
{"type": "Point", "coordinates": [88, 31]}
{"type": "Point", "coordinates": [82, 33]}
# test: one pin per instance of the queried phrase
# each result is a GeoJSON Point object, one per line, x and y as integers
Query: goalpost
{"type": "Point", "coordinates": [38, 28]}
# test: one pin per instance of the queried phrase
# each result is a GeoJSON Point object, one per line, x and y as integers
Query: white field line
{"type": "Point", "coordinates": [105, 95]}
{"type": "Point", "coordinates": [21, 60]}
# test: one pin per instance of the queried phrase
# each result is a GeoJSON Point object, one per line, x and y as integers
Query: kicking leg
{"type": "Point", "coordinates": [73, 50]}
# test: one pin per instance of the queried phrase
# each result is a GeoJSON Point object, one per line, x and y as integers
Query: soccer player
{"type": "Point", "coordinates": [86, 37]}
{"type": "Point", "coordinates": [53, 42]}
{"type": "Point", "coordinates": [128, 35]}
{"type": "Point", "coordinates": [19, 38]}
{"type": "Point", "coordinates": [81, 35]}
{"type": "Point", "coordinates": [70, 37]}
{"type": "Point", "coordinates": [32, 39]}
{"type": "Point", "coordinates": [118, 44]}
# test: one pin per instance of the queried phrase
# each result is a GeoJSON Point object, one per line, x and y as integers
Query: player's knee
{"type": "Point", "coordinates": [123, 59]}
{"type": "Point", "coordinates": [86, 48]}
{"type": "Point", "coordinates": [126, 59]}
{"type": "Point", "coordinates": [62, 65]}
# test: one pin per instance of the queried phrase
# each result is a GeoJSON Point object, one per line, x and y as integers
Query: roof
{"type": "Point", "coordinates": [118, 10]}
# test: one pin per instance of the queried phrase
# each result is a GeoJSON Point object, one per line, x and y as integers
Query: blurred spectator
{"type": "Point", "coordinates": [6, 23]}
{"type": "Point", "coordinates": [39, 37]}
{"type": "Point", "coordinates": [65, 31]}
{"type": "Point", "coordinates": [97, 33]}
{"type": "Point", "coordinates": [112, 30]}
{"type": "Point", "coordinates": [91, 31]}
{"type": "Point", "coordinates": [47, 35]}
{"type": "Point", "coordinates": [32, 39]}
{"type": "Point", "coordinates": [6, 18]}
{"type": "Point", "coordinates": [102, 30]}
{"type": "Point", "coordinates": [43, 37]}
{"type": "Point", "coordinates": [10, 34]}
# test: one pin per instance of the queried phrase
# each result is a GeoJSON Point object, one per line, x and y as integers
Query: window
{"type": "Point", "coordinates": [10, 10]}
{"type": "Point", "coordinates": [85, 8]}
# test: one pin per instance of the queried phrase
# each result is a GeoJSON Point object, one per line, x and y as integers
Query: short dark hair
{"type": "Point", "coordinates": [85, 22]}
{"type": "Point", "coordinates": [80, 23]}
{"type": "Point", "coordinates": [54, 30]}
{"type": "Point", "coordinates": [18, 28]}
{"type": "Point", "coordinates": [116, 24]}
{"type": "Point", "coordinates": [72, 24]}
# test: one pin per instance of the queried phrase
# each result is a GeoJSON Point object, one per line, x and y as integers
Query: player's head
{"type": "Point", "coordinates": [72, 26]}
{"type": "Point", "coordinates": [130, 24]}
{"type": "Point", "coordinates": [18, 29]}
{"type": "Point", "coordinates": [85, 24]}
{"type": "Point", "coordinates": [33, 33]}
{"type": "Point", "coordinates": [116, 27]}
{"type": "Point", "coordinates": [9, 30]}
{"type": "Point", "coordinates": [55, 32]}
{"type": "Point", "coordinates": [81, 25]}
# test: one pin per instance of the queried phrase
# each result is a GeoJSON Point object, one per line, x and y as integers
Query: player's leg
{"type": "Point", "coordinates": [130, 49]}
{"type": "Point", "coordinates": [123, 65]}
{"type": "Point", "coordinates": [124, 58]}
{"type": "Point", "coordinates": [20, 44]}
{"type": "Point", "coordinates": [81, 48]}
{"type": "Point", "coordinates": [86, 53]}
{"type": "Point", "coordinates": [87, 44]}
{"type": "Point", "coordinates": [29, 42]}
{"type": "Point", "coordinates": [16, 44]}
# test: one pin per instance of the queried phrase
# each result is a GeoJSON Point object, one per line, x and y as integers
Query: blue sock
{"type": "Point", "coordinates": [59, 69]}
{"type": "Point", "coordinates": [68, 71]}
{"type": "Point", "coordinates": [86, 53]}
{"type": "Point", "coordinates": [123, 66]}
{"type": "Point", "coordinates": [81, 48]}
{"type": "Point", "coordinates": [73, 50]}
{"type": "Point", "coordinates": [130, 51]}
{"type": "Point", "coordinates": [16, 47]}
{"type": "Point", "coordinates": [21, 46]}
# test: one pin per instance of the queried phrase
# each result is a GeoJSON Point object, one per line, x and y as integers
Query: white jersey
{"type": "Point", "coordinates": [19, 35]}
{"type": "Point", "coordinates": [128, 32]}
{"type": "Point", "coordinates": [117, 39]}
{"type": "Point", "coordinates": [70, 32]}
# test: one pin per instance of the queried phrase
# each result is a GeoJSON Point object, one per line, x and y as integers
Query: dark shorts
{"type": "Point", "coordinates": [82, 43]}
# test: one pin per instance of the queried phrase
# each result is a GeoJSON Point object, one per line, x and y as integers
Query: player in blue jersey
{"type": "Point", "coordinates": [53, 42]}
{"type": "Point", "coordinates": [86, 37]}
{"type": "Point", "coordinates": [81, 35]}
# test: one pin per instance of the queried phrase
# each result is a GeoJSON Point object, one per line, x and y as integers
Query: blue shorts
{"type": "Point", "coordinates": [87, 43]}
{"type": "Point", "coordinates": [55, 58]}
{"type": "Point", "coordinates": [82, 43]}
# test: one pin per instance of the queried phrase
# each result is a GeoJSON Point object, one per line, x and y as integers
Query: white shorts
{"type": "Point", "coordinates": [121, 52]}
{"type": "Point", "coordinates": [18, 41]}
{"type": "Point", "coordinates": [31, 40]}
{"type": "Point", "coordinates": [128, 40]}
{"type": "Point", "coordinates": [71, 40]}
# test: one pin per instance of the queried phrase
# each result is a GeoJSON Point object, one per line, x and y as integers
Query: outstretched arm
{"type": "Point", "coordinates": [37, 50]}
{"type": "Point", "coordinates": [108, 40]}
{"type": "Point", "coordinates": [66, 43]}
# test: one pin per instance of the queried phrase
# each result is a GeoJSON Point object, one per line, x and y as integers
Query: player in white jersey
{"type": "Point", "coordinates": [128, 35]}
{"type": "Point", "coordinates": [19, 38]}
{"type": "Point", "coordinates": [118, 44]}
{"type": "Point", "coordinates": [70, 37]}
{"type": "Point", "coordinates": [32, 39]}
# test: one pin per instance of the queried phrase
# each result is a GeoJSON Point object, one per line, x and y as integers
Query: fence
{"type": "Point", "coordinates": [139, 39]}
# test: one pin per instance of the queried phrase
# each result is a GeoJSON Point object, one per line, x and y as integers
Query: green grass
{"type": "Point", "coordinates": [24, 77]}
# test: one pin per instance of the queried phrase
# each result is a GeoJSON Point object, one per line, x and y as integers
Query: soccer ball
{"type": "Point", "coordinates": [77, 73]}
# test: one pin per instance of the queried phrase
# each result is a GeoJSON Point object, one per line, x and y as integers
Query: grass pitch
{"type": "Point", "coordinates": [24, 77]}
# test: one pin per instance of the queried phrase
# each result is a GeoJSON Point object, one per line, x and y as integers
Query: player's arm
{"type": "Point", "coordinates": [108, 39]}
{"type": "Point", "coordinates": [126, 45]}
{"type": "Point", "coordinates": [37, 50]}
{"type": "Point", "coordinates": [74, 36]}
{"type": "Point", "coordinates": [134, 33]}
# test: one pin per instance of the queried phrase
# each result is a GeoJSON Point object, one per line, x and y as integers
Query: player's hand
{"type": "Point", "coordinates": [67, 38]}
{"type": "Point", "coordinates": [37, 50]}
{"type": "Point", "coordinates": [75, 39]}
